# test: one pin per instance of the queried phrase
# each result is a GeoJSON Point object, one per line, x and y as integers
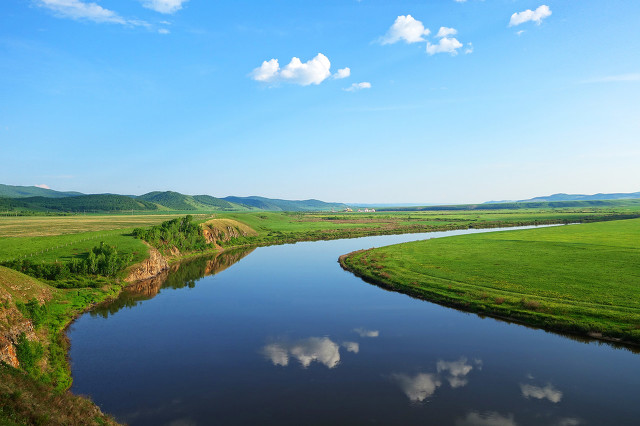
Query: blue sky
{"type": "Point", "coordinates": [391, 101]}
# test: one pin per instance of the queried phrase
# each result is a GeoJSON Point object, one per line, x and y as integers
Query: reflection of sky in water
{"type": "Point", "coordinates": [423, 385]}
{"type": "Point", "coordinates": [320, 349]}
{"type": "Point", "coordinates": [351, 347]}
{"type": "Point", "coordinates": [537, 392]}
{"type": "Point", "coordinates": [418, 387]}
{"type": "Point", "coordinates": [363, 332]}
{"type": "Point", "coordinates": [344, 350]}
{"type": "Point", "coordinates": [486, 419]}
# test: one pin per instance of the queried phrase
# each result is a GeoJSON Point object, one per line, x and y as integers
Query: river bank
{"type": "Point", "coordinates": [559, 279]}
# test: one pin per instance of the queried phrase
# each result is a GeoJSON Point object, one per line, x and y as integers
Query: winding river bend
{"type": "Point", "coordinates": [282, 335]}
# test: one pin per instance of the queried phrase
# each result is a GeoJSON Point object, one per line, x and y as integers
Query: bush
{"type": "Point", "coordinates": [29, 353]}
{"type": "Point", "coordinates": [183, 234]}
{"type": "Point", "coordinates": [34, 311]}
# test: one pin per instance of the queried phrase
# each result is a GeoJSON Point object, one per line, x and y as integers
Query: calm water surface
{"type": "Point", "coordinates": [282, 335]}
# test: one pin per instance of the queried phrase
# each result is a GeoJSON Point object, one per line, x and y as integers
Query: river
{"type": "Point", "coordinates": [282, 335]}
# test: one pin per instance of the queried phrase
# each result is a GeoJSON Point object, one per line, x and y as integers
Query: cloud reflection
{"type": "Point", "coordinates": [419, 387]}
{"type": "Point", "coordinates": [423, 385]}
{"type": "Point", "coordinates": [363, 332]}
{"type": "Point", "coordinates": [306, 351]}
{"type": "Point", "coordinates": [457, 371]}
{"type": "Point", "coordinates": [486, 419]}
{"type": "Point", "coordinates": [351, 347]}
{"type": "Point", "coordinates": [547, 392]}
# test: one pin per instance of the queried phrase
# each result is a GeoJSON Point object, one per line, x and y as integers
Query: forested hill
{"type": "Point", "coordinates": [273, 204]}
{"type": "Point", "coordinates": [77, 204]}
{"type": "Point", "coordinates": [177, 201]}
{"type": "Point", "coordinates": [12, 191]}
{"type": "Point", "coordinates": [35, 199]}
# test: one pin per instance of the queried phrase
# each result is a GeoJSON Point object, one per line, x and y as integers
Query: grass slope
{"type": "Point", "coordinates": [22, 288]}
{"type": "Point", "coordinates": [26, 402]}
{"type": "Point", "coordinates": [580, 279]}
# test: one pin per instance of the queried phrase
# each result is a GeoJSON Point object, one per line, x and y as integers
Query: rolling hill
{"type": "Point", "coordinates": [12, 191]}
{"type": "Point", "coordinates": [77, 204]}
{"type": "Point", "coordinates": [583, 197]}
{"type": "Point", "coordinates": [177, 201]}
{"type": "Point", "coordinates": [273, 204]}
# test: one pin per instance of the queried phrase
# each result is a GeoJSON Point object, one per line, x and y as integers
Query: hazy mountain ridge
{"type": "Point", "coordinates": [14, 191]}
{"type": "Point", "coordinates": [16, 198]}
{"type": "Point", "coordinates": [573, 197]}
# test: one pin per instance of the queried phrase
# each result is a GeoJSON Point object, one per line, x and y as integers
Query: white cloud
{"type": "Point", "coordinates": [43, 186]}
{"type": "Point", "coordinates": [164, 6]}
{"type": "Point", "coordinates": [363, 332]}
{"type": "Point", "coordinates": [445, 45]}
{"type": "Point", "coordinates": [81, 10]}
{"type": "Point", "coordinates": [547, 392]}
{"type": "Point", "coordinates": [352, 347]}
{"type": "Point", "coordinates": [446, 32]}
{"type": "Point", "coordinates": [487, 419]}
{"type": "Point", "coordinates": [469, 48]}
{"type": "Point", "coordinates": [419, 387]}
{"type": "Point", "coordinates": [405, 28]}
{"type": "Point", "coordinates": [76, 9]}
{"type": "Point", "coordinates": [267, 72]}
{"type": "Point", "coordinates": [354, 87]}
{"type": "Point", "coordinates": [519, 33]}
{"type": "Point", "coordinates": [163, 31]}
{"type": "Point", "coordinates": [314, 71]}
{"type": "Point", "coordinates": [460, 1]}
{"type": "Point", "coordinates": [615, 78]}
{"type": "Point", "coordinates": [342, 73]}
{"type": "Point", "coordinates": [530, 15]}
{"type": "Point", "coordinates": [306, 351]}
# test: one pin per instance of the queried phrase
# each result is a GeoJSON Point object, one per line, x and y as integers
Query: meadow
{"type": "Point", "coordinates": [577, 278]}
{"type": "Point", "coordinates": [51, 239]}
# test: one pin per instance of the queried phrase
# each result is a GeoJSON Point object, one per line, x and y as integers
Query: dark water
{"type": "Point", "coordinates": [285, 336]}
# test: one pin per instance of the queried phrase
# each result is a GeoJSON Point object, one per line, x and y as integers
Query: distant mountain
{"type": "Point", "coordinates": [582, 197]}
{"type": "Point", "coordinates": [520, 205]}
{"type": "Point", "coordinates": [273, 204]}
{"type": "Point", "coordinates": [47, 200]}
{"type": "Point", "coordinates": [77, 204]}
{"type": "Point", "coordinates": [12, 191]}
{"type": "Point", "coordinates": [176, 201]}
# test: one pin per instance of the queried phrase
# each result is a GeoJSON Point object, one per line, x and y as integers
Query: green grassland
{"type": "Point", "coordinates": [582, 279]}
{"type": "Point", "coordinates": [280, 227]}
{"type": "Point", "coordinates": [50, 239]}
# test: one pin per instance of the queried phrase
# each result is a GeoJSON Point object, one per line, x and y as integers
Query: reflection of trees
{"type": "Point", "coordinates": [181, 275]}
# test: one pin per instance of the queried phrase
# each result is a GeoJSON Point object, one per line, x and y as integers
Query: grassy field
{"type": "Point", "coordinates": [39, 226]}
{"type": "Point", "coordinates": [581, 279]}
{"type": "Point", "coordinates": [274, 228]}
{"type": "Point", "coordinates": [51, 238]}
{"type": "Point", "coordinates": [48, 239]}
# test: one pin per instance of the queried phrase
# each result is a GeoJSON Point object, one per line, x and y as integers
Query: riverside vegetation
{"type": "Point", "coordinates": [575, 279]}
{"type": "Point", "coordinates": [67, 273]}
